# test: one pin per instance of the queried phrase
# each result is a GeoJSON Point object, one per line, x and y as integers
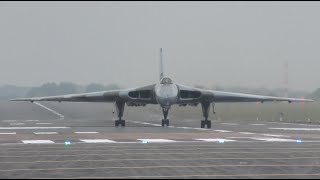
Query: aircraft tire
{"type": "Point", "coordinates": [209, 124]}
{"type": "Point", "coordinates": [123, 123]}
{"type": "Point", "coordinates": [202, 124]}
{"type": "Point", "coordinates": [116, 123]}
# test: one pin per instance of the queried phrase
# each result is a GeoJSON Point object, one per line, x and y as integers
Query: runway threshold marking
{"type": "Point", "coordinates": [53, 111]}
{"type": "Point", "coordinates": [37, 141]}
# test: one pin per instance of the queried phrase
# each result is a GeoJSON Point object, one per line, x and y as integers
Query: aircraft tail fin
{"type": "Point", "coordinates": [161, 65]}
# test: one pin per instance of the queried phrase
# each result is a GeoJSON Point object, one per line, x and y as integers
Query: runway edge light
{"type": "Point", "coordinates": [298, 141]}
{"type": "Point", "coordinates": [67, 143]}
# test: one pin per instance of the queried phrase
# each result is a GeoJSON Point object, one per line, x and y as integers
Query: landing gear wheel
{"type": "Point", "coordinates": [116, 123]}
{"type": "Point", "coordinates": [162, 122]}
{"type": "Point", "coordinates": [167, 122]}
{"type": "Point", "coordinates": [123, 123]}
{"type": "Point", "coordinates": [208, 124]}
{"type": "Point", "coordinates": [202, 124]}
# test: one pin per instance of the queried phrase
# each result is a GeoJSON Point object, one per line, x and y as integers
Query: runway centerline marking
{"type": "Point", "coordinates": [257, 124]}
{"type": "Point", "coordinates": [86, 132]}
{"type": "Point", "coordinates": [16, 124]}
{"type": "Point", "coordinates": [156, 140]}
{"type": "Point", "coordinates": [37, 141]}
{"type": "Point", "coordinates": [298, 129]}
{"type": "Point", "coordinates": [8, 133]}
{"type": "Point", "coordinates": [178, 127]}
{"type": "Point", "coordinates": [274, 135]}
{"type": "Point", "coordinates": [216, 140]}
{"type": "Point", "coordinates": [246, 133]}
{"type": "Point", "coordinates": [274, 139]}
{"type": "Point", "coordinates": [233, 124]}
{"type": "Point", "coordinates": [218, 130]}
{"type": "Point", "coordinates": [45, 132]}
{"type": "Point", "coordinates": [97, 140]}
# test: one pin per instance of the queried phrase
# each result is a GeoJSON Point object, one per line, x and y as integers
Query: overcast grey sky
{"type": "Point", "coordinates": [204, 43]}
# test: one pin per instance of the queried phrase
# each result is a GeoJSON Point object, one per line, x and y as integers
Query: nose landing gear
{"type": "Point", "coordinates": [165, 121]}
{"type": "Point", "coordinates": [205, 111]}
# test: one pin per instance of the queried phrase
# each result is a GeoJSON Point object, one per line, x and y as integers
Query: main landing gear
{"type": "Point", "coordinates": [165, 121]}
{"type": "Point", "coordinates": [120, 109]}
{"type": "Point", "coordinates": [205, 111]}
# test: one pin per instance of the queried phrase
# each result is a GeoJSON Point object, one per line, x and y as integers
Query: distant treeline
{"type": "Point", "coordinates": [52, 89]}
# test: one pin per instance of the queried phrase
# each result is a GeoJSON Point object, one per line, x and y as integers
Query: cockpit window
{"type": "Point", "coordinates": [166, 81]}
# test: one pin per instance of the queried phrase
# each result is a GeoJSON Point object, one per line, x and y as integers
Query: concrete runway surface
{"type": "Point", "coordinates": [79, 140]}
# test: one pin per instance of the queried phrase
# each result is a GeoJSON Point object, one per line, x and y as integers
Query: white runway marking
{"type": "Point", "coordinates": [157, 140]}
{"type": "Point", "coordinates": [156, 124]}
{"type": "Point", "coordinates": [34, 127]}
{"type": "Point", "coordinates": [246, 133]}
{"type": "Point", "coordinates": [215, 140]}
{"type": "Point", "coordinates": [86, 132]}
{"type": "Point", "coordinates": [274, 135]}
{"type": "Point", "coordinates": [222, 130]}
{"type": "Point", "coordinates": [97, 140]}
{"type": "Point", "coordinates": [8, 133]}
{"type": "Point", "coordinates": [274, 139]}
{"type": "Point", "coordinates": [185, 127]}
{"type": "Point", "coordinates": [45, 132]}
{"type": "Point", "coordinates": [37, 141]}
{"type": "Point", "coordinates": [53, 111]}
{"type": "Point", "coordinates": [12, 124]}
{"type": "Point", "coordinates": [295, 124]}
{"type": "Point", "coordinates": [233, 124]}
{"type": "Point", "coordinates": [257, 124]}
{"type": "Point", "coordinates": [9, 120]}
{"type": "Point", "coordinates": [202, 129]}
{"type": "Point", "coordinates": [32, 120]}
{"type": "Point", "coordinates": [43, 123]}
{"type": "Point", "coordinates": [299, 129]}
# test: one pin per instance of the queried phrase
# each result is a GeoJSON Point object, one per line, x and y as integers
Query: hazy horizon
{"type": "Point", "coordinates": [204, 43]}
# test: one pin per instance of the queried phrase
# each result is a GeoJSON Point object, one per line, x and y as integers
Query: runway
{"type": "Point", "coordinates": [79, 140]}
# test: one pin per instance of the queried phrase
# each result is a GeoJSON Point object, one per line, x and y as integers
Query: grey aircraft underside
{"type": "Point", "coordinates": [165, 93]}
